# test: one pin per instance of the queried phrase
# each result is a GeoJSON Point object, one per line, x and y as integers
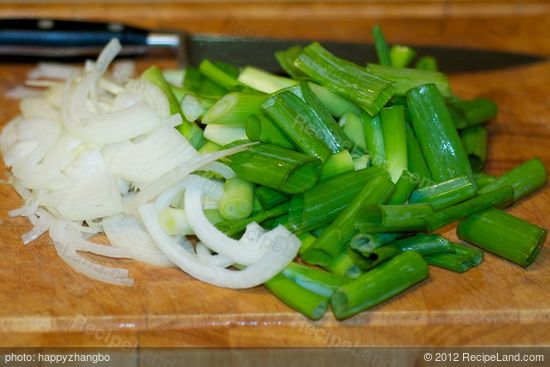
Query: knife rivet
{"type": "Point", "coordinates": [115, 27]}
{"type": "Point", "coordinates": [45, 24]}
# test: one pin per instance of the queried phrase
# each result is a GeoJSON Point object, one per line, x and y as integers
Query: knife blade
{"type": "Point", "coordinates": [66, 39]}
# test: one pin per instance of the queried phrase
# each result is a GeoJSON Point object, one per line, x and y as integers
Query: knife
{"type": "Point", "coordinates": [66, 39]}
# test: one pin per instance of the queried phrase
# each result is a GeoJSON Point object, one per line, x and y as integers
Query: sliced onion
{"type": "Point", "coordinates": [65, 250]}
{"type": "Point", "coordinates": [212, 189]}
{"type": "Point", "coordinates": [245, 253]}
{"type": "Point", "coordinates": [281, 247]}
{"type": "Point", "coordinates": [205, 255]}
{"type": "Point", "coordinates": [52, 70]}
{"type": "Point", "coordinates": [149, 158]}
{"type": "Point", "coordinates": [21, 92]}
{"type": "Point", "coordinates": [221, 169]}
{"type": "Point", "coordinates": [108, 127]}
{"type": "Point", "coordinates": [39, 107]}
{"type": "Point", "coordinates": [27, 141]}
{"type": "Point", "coordinates": [41, 221]}
{"type": "Point", "coordinates": [123, 70]}
{"type": "Point", "coordinates": [151, 190]}
{"type": "Point", "coordinates": [128, 233]}
{"type": "Point", "coordinates": [90, 193]}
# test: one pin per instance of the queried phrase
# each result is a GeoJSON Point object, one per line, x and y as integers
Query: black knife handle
{"type": "Point", "coordinates": [66, 33]}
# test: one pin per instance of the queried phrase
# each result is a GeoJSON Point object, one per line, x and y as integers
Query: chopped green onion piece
{"type": "Point", "coordinates": [392, 218]}
{"type": "Point", "coordinates": [395, 140]}
{"type": "Point", "coordinates": [324, 124]}
{"type": "Point", "coordinates": [286, 61]}
{"type": "Point", "coordinates": [379, 284]}
{"type": "Point", "coordinates": [269, 197]}
{"type": "Point", "coordinates": [382, 49]}
{"type": "Point", "coordinates": [317, 281]}
{"type": "Point", "coordinates": [483, 179]}
{"type": "Point", "coordinates": [315, 208]}
{"type": "Point", "coordinates": [474, 112]}
{"type": "Point", "coordinates": [192, 79]}
{"type": "Point", "coordinates": [401, 56]}
{"type": "Point", "coordinates": [437, 135]}
{"type": "Point", "coordinates": [524, 179]}
{"type": "Point", "coordinates": [276, 167]}
{"type": "Point", "coordinates": [473, 254]}
{"type": "Point", "coordinates": [366, 242]}
{"type": "Point", "coordinates": [302, 300]}
{"type": "Point", "coordinates": [424, 244]}
{"type": "Point", "coordinates": [299, 122]}
{"type": "Point", "coordinates": [372, 260]}
{"type": "Point", "coordinates": [307, 240]}
{"type": "Point", "coordinates": [224, 134]}
{"type": "Point", "coordinates": [334, 103]}
{"type": "Point", "coordinates": [337, 164]}
{"type": "Point", "coordinates": [405, 79]}
{"type": "Point", "coordinates": [334, 239]}
{"type": "Point", "coordinates": [232, 228]}
{"type": "Point", "coordinates": [504, 235]}
{"type": "Point", "coordinates": [213, 216]}
{"type": "Point", "coordinates": [453, 262]}
{"type": "Point", "coordinates": [499, 198]}
{"type": "Point", "coordinates": [263, 81]}
{"type": "Point", "coordinates": [345, 265]}
{"type": "Point", "coordinates": [236, 202]}
{"type": "Point", "coordinates": [230, 69]}
{"type": "Point", "coordinates": [445, 194]}
{"type": "Point", "coordinates": [361, 162]}
{"type": "Point", "coordinates": [261, 128]}
{"type": "Point", "coordinates": [256, 206]}
{"type": "Point", "coordinates": [353, 127]}
{"type": "Point", "coordinates": [189, 130]}
{"type": "Point", "coordinates": [194, 107]}
{"type": "Point", "coordinates": [474, 140]}
{"type": "Point", "coordinates": [209, 147]}
{"type": "Point", "coordinates": [426, 63]}
{"type": "Point", "coordinates": [374, 139]}
{"type": "Point", "coordinates": [403, 188]}
{"type": "Point", "coordinates": [234, 109]}
{"type": "Point", "coordinates": [415, 160]}
{"type": "Point", "coordinates": [174, 222]}
{"type": "Point", "coordinates": [345, 78]}
{"type": "Point", "coordinates": [219, 76]}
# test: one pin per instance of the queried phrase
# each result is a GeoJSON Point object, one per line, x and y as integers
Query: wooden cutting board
{"type": "Point", "coordinates": [45, 303]}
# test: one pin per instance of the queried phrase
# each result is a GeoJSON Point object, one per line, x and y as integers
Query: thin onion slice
{"type": "Point", "coordinates": [128, 233]}
{"type": "Point", "coordinates": [66, 250]}
{"type": "Point", "coordinates": [240, 252]}
{"type": "Point", "coordinates": [282, 246]}
{"type": "Point", "coordinates": [149, 158]}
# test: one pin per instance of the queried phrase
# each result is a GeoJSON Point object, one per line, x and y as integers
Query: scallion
{"type": "Point", "coordinates": [504, 235]}
{"type": "Point", "coordinates": [379, 284]}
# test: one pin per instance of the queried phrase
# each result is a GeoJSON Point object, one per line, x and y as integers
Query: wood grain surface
{"type": "Point", "coordinates": [45, 303]}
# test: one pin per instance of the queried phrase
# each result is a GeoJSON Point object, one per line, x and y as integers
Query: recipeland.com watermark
{"type": "Point", "coordinates": [446, 357]}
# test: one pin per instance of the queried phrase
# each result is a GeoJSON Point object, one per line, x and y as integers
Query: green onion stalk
{"type": "Point", "coordinates": [314, 208]}
{"type": "Point", "coordinates": [406, 79]}
{"type": "Point", "coordinates": [474, 140]}
{"type": "Point", "coordinates": [276, 167]}
{"type": "Point", "coordinates": [379, 284]}
{"type": "Point", "coordinates": [395, 140]}
{"type": "Point", "coordinates": [234, 109]}
{"type": "Point", "coordinates": [334, 239]}
{"type": "Point", "coordinates": [345, 78]}
{"type": "Point", "coordinates": [260, 128]}
{"type": "Point", "coordinates": [437, 135]}
{"type": "Point", "coordinates": [504, 235]}
{"type": "Point", "coordinates": [445, 194]}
